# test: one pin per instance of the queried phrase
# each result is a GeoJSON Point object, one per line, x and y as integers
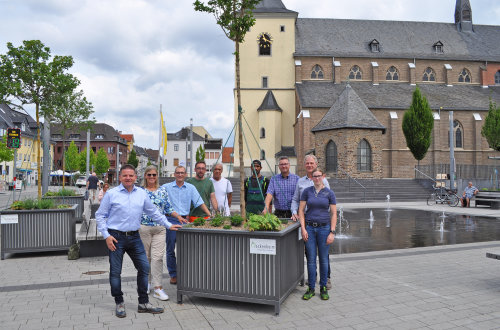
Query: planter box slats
{"type": "Point", "coordinates": [38, 231]}
{"type": "Point", "coordinates": [219, 264]}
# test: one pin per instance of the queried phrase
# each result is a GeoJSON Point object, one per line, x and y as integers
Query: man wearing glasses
{"type": "Point", "coordinates": [205, 188]}
{"type": "Point", "coordinates": [255, 189]}
{"type": "Point", "coordinates": [181, 195]}
{"type": "Point", "coordinates": [281, 188]}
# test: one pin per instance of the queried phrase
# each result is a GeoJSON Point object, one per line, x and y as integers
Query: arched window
{"type": "Point", "coordinates": [265, 42]}
{"type": "Point", "coordinates": [331, 157]}
{"type": "Point", "coordinates": [464, 76]}
{"type": "Point", "coordinates": [262, 133]}
{"type": "Point", "coordinates": [262, 155]}
{"type": "Point", "coordinates": [355, 73]}
{"type": "Point", "coordinates": [497, 78]}
{"type": "Point", "coordinates": [317, 72]}
{"type": "Point", "coordinates": [458, 133]}
{"type": "Point", "coordinates": [392, 74]}
{"type": "Point", "coordinates": [429, 75]}
{"type": "Point", "coordinates": [364, 156]}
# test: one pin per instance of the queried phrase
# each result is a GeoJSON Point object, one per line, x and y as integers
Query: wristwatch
{"type": "Point", "coordinates": [333, 232]}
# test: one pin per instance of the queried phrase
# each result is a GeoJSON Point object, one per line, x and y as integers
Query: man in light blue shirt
{"type": "Point", "coordinates": [119, 219]}
{"type": "Point", "coordinates": [181, 195]}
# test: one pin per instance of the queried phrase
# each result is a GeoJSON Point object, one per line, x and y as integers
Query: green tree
{"type": "Point", "coordinates": [71, 110]}
{"type": "Point", "coordinates": [101, 162]}
{"type": "Point", "coordinates": [72, 157]}
{"type": "Point", "coordinates": [200, 154]}
{"type": "Point", "coordinates": [83, 160]}
{"type": "Point", "coordinates": [235, 18]}
{"type": "Point", "coordinates": [418, 123]}
{"type": "Point", "coordinates": [6, 154]}
{"type": "Point", "coordinates": [132, 159]}
{"type": "Point", "coordinates": [28, 75]}
{"type": "Point", "coordinates": [491, 128]}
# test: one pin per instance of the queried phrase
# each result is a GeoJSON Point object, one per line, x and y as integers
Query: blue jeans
{"type": "Point", "coordinates": [316, 246]}
{"type": "Point", "coordinates": [132, 245]}
{"type": "Point", "coordinates": [171, 239]}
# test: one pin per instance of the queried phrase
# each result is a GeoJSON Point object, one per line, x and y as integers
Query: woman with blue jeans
{"type": "Point", "coordinates": [318, 230]}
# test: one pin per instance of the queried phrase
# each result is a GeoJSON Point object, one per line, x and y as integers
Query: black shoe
{"type": "Point", "coordinates": [120, 310]}
{"type": "Point", "coordinates": [148, 308]}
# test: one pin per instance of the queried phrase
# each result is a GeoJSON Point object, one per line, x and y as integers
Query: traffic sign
{"type": "Point", "coordinates": [14, 138]}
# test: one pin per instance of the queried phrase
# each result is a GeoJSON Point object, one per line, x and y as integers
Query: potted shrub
{"type": "Point", "coordinates": [261, 261]}
{"type": "Point", "coordinates": [67, 196]}
{"type": "Point", "coordinates": [37, 225]}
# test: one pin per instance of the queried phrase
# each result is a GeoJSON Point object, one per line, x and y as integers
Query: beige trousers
{"type": "Point", "coordinates": [153, 238]}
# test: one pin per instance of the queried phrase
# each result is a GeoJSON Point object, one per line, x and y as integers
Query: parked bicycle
{"type": "Point", "coordinates": [442, 195]}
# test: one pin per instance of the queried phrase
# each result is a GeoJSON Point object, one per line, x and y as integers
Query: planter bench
{"type": "Point", "coordinates": [256, 267]}
{"type": "Point", "coordinates": [493, 256]}
{"type": "Point", "coordinates": [488, 198]}
{"type": "Point", "coordinates": [37, 230]}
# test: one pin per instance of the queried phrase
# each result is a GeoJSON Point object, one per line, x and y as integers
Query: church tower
{"type": "Point", "coordinates": [463, 16]}
{"type": "Point", "coordinates": [267, 74]}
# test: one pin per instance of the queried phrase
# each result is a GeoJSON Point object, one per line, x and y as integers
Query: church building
{"type": "Point", "coordinates": [338, 89]}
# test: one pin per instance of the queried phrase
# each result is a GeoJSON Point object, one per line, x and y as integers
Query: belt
{"type": "Point", "coordinates": [126, 233]}
{"type": "Point", "coordinates": [317, 224]}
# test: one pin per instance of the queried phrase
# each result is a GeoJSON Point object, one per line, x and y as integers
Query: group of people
{"type": "Point", "coordinates": [95, 187]}
{"type": "Point", "coordinates": [142, 221]}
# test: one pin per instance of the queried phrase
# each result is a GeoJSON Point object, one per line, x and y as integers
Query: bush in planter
{"type": "Point", "coordinates": [62, 192]}
{"type": "Point", "coordinates": [37, 204]}
{"type": "Point", "coordinates": [266, 222]}
{"type": "Point", "coordinates": [218, 220]}
{"type": "Point", "coordinates": [236, 220]}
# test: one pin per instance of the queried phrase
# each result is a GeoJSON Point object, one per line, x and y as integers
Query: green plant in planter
{"type": "Point", "coordinates": [227, 227]}
{"type": "Point", "coordinates": [217, 221]}
{"type": "Point", "coordinates": [236, 220]}
{"type": "Point", "coordinates": [266, 222]}
{"type": "Point", "coordinates": [198, 222]}
{"type": "Point", "coordinates": [62, 192]}
{"type": "Point", "coordinates": [35, 204]}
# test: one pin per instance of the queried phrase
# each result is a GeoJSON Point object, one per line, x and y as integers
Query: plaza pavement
{"type": "Point", "coordinates": [444, 287]}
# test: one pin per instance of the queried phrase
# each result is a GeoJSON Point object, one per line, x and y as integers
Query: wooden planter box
{"type": "Point", "coordinates": [70, 200]}
{"type": "Point", "coordinates": [256, 267]}
{"type": "Point", "coordinates": [37, 230]}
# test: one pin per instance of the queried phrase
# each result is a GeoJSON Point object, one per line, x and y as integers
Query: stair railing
{"type": "Point", "coordinates": [356, 181]}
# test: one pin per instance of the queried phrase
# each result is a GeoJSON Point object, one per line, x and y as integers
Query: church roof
{"type": "Point", "coordinates": [351, 38]}
{"type": "Point", "coordinates": [272, 6]}
{"type": "Point", "coordinates": [348, 111]}
{"type": "Point", "coordinates": [269, 103]}
{"type": "Point", "coordinates": [315, 94]}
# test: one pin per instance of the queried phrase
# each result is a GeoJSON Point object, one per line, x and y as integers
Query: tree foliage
{"type": "Point", "coordinates": [418, 123]}
{"type": "Point", "coordinates": [491, 128]}
{"type": "Point", "coordinates": [101, 162]}
{"type": "Point", "coordinates": [83, 160]}
{"type": "Point", "coordinates": [6, 154]}
{"type": "Point", "coordinates": [235, 18]}
{"type": "Point", "coordinates": [30, 75]}
{"type": "Point", "coordinates": [200, 154]}
{"type": "Point", "coordinates": [72, 157]}
{"type": "Point", "coordinates": [132, 159]}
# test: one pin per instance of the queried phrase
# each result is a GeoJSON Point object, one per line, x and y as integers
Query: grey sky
{"type": "Point", "coordinates": [132, 55]}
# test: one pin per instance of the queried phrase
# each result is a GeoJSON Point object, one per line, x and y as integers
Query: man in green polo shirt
{"type": "Point", "coordinates": [205, 187]}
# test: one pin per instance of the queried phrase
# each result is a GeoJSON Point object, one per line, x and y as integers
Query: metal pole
{"type": "Point", "coordinates": [191, 138]}
{"type": "Point", "coordinates": [14, 174]}
{"type": "Point", "coordinates": [186, 163]}
{"type": "Point", "coordinates": [87, 174]}
{"type": "Point", "coordinates": [117, 162]}
{"type": "Point", "coordinates": [452, 154]}
{"type": "Point", "coordinates": [46, 157]}
{"type": "Point", "coordinates": [160, 142]}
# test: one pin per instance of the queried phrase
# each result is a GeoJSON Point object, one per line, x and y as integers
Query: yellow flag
{"type": "Point", "coordinates": [163, 135]}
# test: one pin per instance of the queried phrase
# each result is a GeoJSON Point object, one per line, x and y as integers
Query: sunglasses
{"type": "Point", "coordinates": [151, 175]}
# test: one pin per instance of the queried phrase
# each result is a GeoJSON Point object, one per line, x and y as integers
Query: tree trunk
{"type": "Point", "coordinates": [38, 167]}
{"type": "Point", "coordinates": [63, 162]}
{"type": "Point", "coordinates": [240, 133]}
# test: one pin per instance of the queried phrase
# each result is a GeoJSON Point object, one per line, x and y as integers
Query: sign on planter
{"type": "Point", "coordinates": [7, 219]}
{"type": "Point", "coordinates": [262, 246]}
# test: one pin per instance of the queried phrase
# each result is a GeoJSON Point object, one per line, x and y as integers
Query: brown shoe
{"type": "Point", "coordinates": [173, 280]}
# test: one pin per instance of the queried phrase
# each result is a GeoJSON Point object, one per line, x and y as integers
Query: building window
{"type": "Point", "coordinates": [464, 76]}
{"type": "Point", "coordinates": [176, 161]}
{"type": "Point", "coordinates": [355, 73]}
{"type": "Point", "coordinates": [265, 42]}
{"type": "Point", "coordinates": [317, 72]}
{"type": "Point", "coordinates": [375, 46]}
{"type": "Point", "coordinates": [262, 132]}
{"type": "Point", "coordinates": [331, 157]}
{"type": "Point", "coordinates": [497, 78]}
{"type": "Point", "coordinates": [111, 150]}
{"type": "Point", "coordinates": [176, 147]}
{"type": "Point", "coordinates": [282, 28]}
{"type": "Point", "coordinates": [264, 82]}
{"type": "Point", "coordinates": [74, 136]}
{"type": "Point", "coordinates": [392, 74]}
{"type": "Point", "coordinates": [56, 136]}
{"type": "Point", "coordinates": [262, 155]}
{"type": "Point", "coordinates": [59, 150]}
{"type": "Point", "coordinates": [23, 127]}
{"type": "Point", "coordinates": [94, 149]}
{"type": "Point", "coordinates": [438, 47]}
{"type": "Point", "coordinates": [429, 75]}
{"type": "Point", "coordinates": [99, 136]}
{"type": "Point", "coordinates": [364, 156]}
{"type": "Point", "coordinates": [458, 132]}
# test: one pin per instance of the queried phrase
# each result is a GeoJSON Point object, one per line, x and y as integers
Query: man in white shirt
{"type": "Point", "coordinates": [223, 190]}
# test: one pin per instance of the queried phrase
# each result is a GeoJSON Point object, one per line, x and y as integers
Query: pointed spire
{"type": "Point", "coordinates": [271, 6]}
{"type": "Point", "coordinates": [269, 103]}
{"type": "Point", "coordinates": [463, 16]}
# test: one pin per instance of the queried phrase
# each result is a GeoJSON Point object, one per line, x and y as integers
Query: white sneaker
{"type": "Point", "coordinates": [149, 288]}
{"type": "Point", "coordinates": [160, 294]}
